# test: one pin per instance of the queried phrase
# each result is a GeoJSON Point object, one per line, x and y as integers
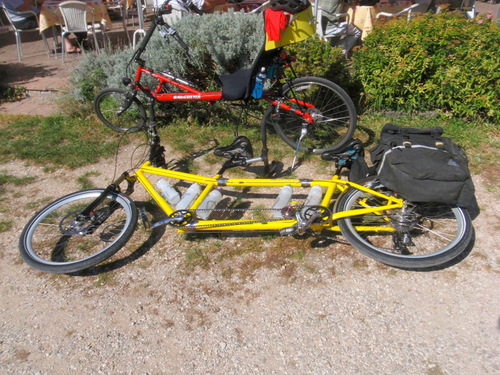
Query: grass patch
{"type": "Point", "coordinates": [57, 140]}
{"type": "Point", "coordinates": [85, 182]}
{"type": "Point", "coordinates": [107, 278]}
{"type": "Point", "coordinates": [72, 142]}
{"type": "Point", "coordinates": [6, 178]}
{"type": "Point", "coordinates": [6, 225]}
{"type": "Point", "coordinates": [195, 257]}
{"type": "Point", "coordinates": [35, 205]}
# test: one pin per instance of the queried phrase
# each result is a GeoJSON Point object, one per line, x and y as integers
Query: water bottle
{"type": "Point", "coordinates": [189, 197]}
{"type": "Point", "coordinates": [208, 204]}
{"type": "Point", "coordinates": [259, 84]}
{"type": "Point", "coordinates": [168, 192]}
{"type": "Point", "coordinates": [282, 200]}
{"type": "Point", "coordinates": [314, 197]}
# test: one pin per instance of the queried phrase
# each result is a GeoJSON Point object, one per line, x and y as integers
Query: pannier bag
{"type": "Point", "coordinates": [423, 166]}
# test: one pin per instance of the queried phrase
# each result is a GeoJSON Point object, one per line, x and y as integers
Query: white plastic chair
{"type": "Point", "coordinates": [74, 14]}
{"type": "Point", "coordinates": [178, 11]}
{"type": "Point", "coordinates": [147, 6]}
{"type": "Point", "coordinates": [345, 34]}
{"type": "Point", "coordinates": [261, 8]}
{"type": "Point", "coordinates": [406, 10]}
{"type": "Point", "coordinates": [8, 14]}
{"type": "Point", "coordinates": [121, 6]}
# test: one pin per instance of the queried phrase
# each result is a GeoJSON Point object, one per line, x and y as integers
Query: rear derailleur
{"type": "Point", "coordinates": [404, 222]}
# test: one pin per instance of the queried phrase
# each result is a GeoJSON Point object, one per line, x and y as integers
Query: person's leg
{"type": "Point", "coordinates": [69, 47]}
{"type": "Point", "coordinates": [80, 37]}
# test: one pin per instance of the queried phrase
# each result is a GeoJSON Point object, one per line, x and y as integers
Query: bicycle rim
{"type": "Point", "coordinates": [57, 241]}
{"type": "Point", "coordinates": [331, 108]}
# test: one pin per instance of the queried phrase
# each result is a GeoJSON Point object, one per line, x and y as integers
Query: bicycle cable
{"type": "Point", "coordinates": [141, 160]}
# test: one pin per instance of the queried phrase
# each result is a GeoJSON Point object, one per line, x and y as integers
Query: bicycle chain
{"type": "Point", "coordinates": [289, 215]}
{"type": "Point", "coordinates": [226, 224]}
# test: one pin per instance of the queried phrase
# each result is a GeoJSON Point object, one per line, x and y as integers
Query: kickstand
{"type": "Point", "coordinates": [303, 133]}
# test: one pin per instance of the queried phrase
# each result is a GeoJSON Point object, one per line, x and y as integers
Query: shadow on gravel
{"type": "Point", "coordinates": [154, 236]}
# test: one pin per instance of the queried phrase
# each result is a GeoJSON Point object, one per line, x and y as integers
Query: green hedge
{"type": "Point", "coordinates": [318, 58]}
{"type": "Point", "coordinates": [435, 62]}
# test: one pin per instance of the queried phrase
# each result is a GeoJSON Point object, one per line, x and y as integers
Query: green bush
{"type": "Point", "coordinates": [318, 58]}
{"type": "Point", "coordinates": [435, 62]}
{"type": "Point", "coordinates": [11, 94]}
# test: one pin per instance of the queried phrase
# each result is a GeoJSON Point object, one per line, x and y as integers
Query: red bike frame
{"type": "Point", "coordinates": [192, 94]}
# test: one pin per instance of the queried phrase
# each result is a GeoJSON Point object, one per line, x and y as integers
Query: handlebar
{"type": "Point", "coordinates": [164, 9]}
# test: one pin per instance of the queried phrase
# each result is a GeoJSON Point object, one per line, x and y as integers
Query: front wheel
{"type": "Point", "coordinates": [332, 111]}
{"type": "Point", "coordinates": [119, 111]}
{"type": "Point", "coordinates": [58, 239]}
{"type": "Point", "coordinates": [416, 236]}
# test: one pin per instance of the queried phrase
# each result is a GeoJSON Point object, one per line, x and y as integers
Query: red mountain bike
{"type": "Point", "coordinates": [308, 113]}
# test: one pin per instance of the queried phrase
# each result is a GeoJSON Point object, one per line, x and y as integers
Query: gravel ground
{"type": "Point", "coordinates": [246, 306]}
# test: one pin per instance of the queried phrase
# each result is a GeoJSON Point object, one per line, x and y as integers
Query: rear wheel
{"type": "Point", "coordinates": [119, 111]}
{"type": "Point", "coordinates": [333, 112]}
{"type": "Point", "coordinates": [60, 240]}
{"type": "Point", "coordinates": [420, 235]}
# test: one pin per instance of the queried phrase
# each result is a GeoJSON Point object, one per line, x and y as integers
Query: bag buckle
{"type": "Point", "coordinates": [440, 145]}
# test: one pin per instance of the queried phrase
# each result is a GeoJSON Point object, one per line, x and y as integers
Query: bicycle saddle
{"type": "Point", "coordinates": [353, 147]}
{"type": "Point", "coordinates": [236, 86]}
{"type": "Point", "coordinates": [240, 148]}
{"type": "Point", "coordinates": [239, 85]}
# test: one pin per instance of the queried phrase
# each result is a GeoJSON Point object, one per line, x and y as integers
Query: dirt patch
{"type": "Point", "coordinates": [170, 303]}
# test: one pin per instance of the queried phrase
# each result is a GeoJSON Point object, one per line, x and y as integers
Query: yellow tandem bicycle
{"type": "Point", "coordinates": [82, 229]}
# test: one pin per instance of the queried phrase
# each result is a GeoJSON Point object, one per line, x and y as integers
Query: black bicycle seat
{"type": "Point", "coordinates": [236, 86]}
{"type": "Point", "coordinates": [353, 147]}
{"type": "Point", "coordinates": [241, 148]}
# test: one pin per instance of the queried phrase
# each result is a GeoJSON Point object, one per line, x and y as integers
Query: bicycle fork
{"type": "Point", "coordinates": [89, 211]}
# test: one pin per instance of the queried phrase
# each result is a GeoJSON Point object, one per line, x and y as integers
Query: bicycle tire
{"type": "Point", "coordinates": [436, 233]}
{"type": "Point", "coordinates": [54, 242]}
{"type": "Point", "coordinates": [334, 115]}
{"type": "Point", "coordinates": [108, 104]}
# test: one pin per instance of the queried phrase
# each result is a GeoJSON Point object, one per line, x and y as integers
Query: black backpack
{"type": "Point", "coordinates": [423, 166]}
